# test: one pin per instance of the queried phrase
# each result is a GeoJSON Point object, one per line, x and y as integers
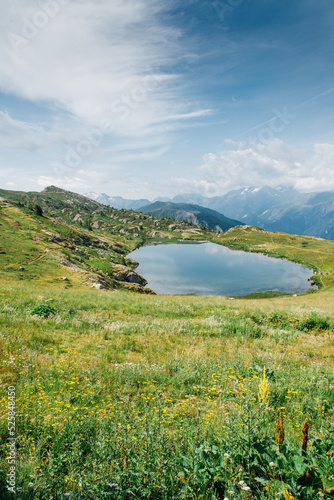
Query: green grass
{"type": "Point", "coordinates": [161, 395]}
{"type": "Point", "coordinates": [270, 294]}
{"type": "Point", "coordinates": [127, 396]}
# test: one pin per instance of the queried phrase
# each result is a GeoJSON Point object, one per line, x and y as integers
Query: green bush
{"type": "Point", "coordinates": [43, 310]}
{"type": "Point", "coordinates": [314, 322]}
{"type": "Point", "coordinates": [38, 210]}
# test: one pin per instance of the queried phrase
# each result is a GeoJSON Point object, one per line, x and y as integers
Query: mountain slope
{"type": "Point", "coordinates": [277, 209]}
{"type": "Point", "coordinates": [310, 214]}
{"type": "Point", "coordinates": [193, 213]}
{"type": "Point", "coordinates": [247, 203]}
{"type": "Point", "coordinates": [77, 238]}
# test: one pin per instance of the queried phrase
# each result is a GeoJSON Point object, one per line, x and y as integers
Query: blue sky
{"type": "Point", "coordinates": [142, 99]}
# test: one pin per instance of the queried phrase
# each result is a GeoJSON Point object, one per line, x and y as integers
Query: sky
{"type": "Point", "coordinates": [148, 98]}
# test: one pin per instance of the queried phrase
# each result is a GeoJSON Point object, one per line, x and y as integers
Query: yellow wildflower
{"type": "Point", "coordinates": [264, 389]}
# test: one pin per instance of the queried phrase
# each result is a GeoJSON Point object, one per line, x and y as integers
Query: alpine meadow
{"type": "Point", "coordinates": [121, 393]}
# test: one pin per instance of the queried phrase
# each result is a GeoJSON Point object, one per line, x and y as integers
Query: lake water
{"type": "Point", "coordinates": [211, 269]}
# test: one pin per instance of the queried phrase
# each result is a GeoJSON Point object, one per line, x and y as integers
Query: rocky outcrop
{"type": "Point", "coordinates": [123, 273]}
{"type": "Point", "coordinates": [100, 282]}
{"type": "Point", "coordinates": [78, 218]}
{"type": "Point", "coordinates": [71, 265]}
{"type": "Point", "coordinates": [159, 234]}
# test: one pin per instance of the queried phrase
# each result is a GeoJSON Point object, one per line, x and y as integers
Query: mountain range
{"type": "Point", "coordinates": [117, 201]}
{"type": "Point", "coordinates": [277, 209]}
{"type": "Point", "coordinates": [192, 213]}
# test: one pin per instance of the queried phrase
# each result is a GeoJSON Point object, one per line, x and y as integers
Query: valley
{"type": "Point", "coordinates": [121, 393]}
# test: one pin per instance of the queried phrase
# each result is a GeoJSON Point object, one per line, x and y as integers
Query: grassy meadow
{"type": "Point", "coordinates": [120, 395]}
{"type": "Point", "coordinates": [124, 396]}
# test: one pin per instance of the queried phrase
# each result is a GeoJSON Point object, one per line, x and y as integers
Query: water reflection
{"type": "Point", "coordinates": [210, 269]}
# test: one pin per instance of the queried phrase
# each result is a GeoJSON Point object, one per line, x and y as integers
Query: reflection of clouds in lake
{"type": "Point", "coordinates": [211, 269]}
{"type": "Point", "coordinates": [212, 249]}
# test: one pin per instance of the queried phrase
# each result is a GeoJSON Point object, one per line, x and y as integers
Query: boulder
{"type": "Point", "coordinates": [123, 273]}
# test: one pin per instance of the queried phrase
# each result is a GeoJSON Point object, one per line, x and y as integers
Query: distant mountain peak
{"type": "Point", "coordinates": [117, 201]}
{"type": "Point", "coordinates": [192, 213]}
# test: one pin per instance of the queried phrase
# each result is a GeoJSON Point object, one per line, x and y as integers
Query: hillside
{"type": "Point", "coordinates": [92, 240]}
{"type": "Point", "coordinates": [77, 237]}
{"type": "Point", "coordinates": [123, 395]}
{"type": "Point", "coordinates": [276, 209]}
{"type": "Point", "coordinates": [192, 213]}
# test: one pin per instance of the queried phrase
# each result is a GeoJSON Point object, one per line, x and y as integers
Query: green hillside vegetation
{"type": "Point", "coordinates": [78, 236]}
{"type": "Point", "coordinates": [314, 253]}
{"type": "Point", "coordinates": [123, 395]}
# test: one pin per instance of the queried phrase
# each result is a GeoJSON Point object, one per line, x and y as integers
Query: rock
{"type": "Point", "coordinates": [123, 273]}
{"type": "Point", "coordinates": [99, 282]}
{"type": "Point", "coordinates": [65, 279]}
{"type": "Point", "coordinates": [99, 286]}
{"type": "Point", "coordinates": [133, 263]}
{"type": "Point", "coordinates": [71, 265]}
{"type": "Point", "coordinates": [77, 218]}
{"type": "Point", "coordinates": [160, 234]}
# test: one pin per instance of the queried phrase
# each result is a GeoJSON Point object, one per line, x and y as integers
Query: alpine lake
{"type": "Point", "coordinates": [206, 268]}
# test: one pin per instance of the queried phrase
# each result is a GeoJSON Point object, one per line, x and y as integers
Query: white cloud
{"type": "Point", "coordinates": [273, 163]}
{"type": "Point", "coordinates": [176, 185]}
{"type": "Point", "coordinates": [15, 134]}
{"type": "Point", "coordinates": [93, 60]}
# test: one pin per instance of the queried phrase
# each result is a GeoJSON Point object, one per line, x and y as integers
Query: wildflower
{"type": "Point", "coordinates": [241, 483]}
{"type": "Point", "coordinates": [271, 464]}
{"type": "Point", "coordinates": [30, 485]}
{"type": "Point", "coordinates": [112, 485]}
{"type": "Point", "coordinates": [245, 487]}
{"type": "Point", "coordinates": [305, 438]}
{"type": "Point", "coordinates": [280, 431]}
{"type": "Point", "coordinates": [264, 388]}
{"type": "Point", "coordinates": [287, 495]}
{"type": "Point", "coordinates": [226, 455]}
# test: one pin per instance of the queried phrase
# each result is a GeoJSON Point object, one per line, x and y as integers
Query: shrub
{"type": "Point", "coordinates": [43, 310]}
{"type": "Point", "coordinates": [38, 210]}
{"type": "Point", "coordinates": [314, 322]}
